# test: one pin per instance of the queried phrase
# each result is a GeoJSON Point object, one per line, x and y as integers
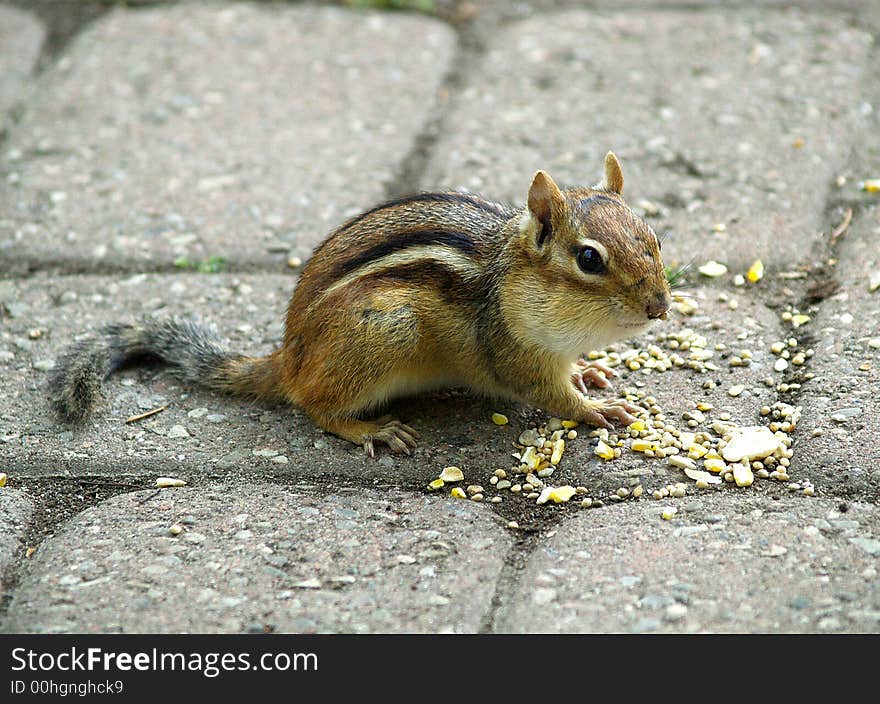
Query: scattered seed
{"type": "Point", "coordinates": [557, 494]}
{"type": "Point", "coordinates": [452, 474]}
{"type": "Point", "coordinates": [755, 272]}
{"type": "Point", "coordinates": [712, 269]}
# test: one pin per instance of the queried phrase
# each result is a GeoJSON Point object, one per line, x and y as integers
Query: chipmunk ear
{"type": "Point", "coordinates": [613, 181]}
{"type": "Point", "coordinates": [545, 198]}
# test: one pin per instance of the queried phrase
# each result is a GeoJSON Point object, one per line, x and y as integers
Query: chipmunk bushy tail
{"type": "Point", "coordinates": [191, 349]}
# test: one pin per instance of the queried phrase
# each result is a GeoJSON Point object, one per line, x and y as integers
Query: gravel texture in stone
{"type": "Point", "coordinates": [797, 565]}
{"type": "Point", "coordinates": [257, 558]}
{"type": "Point", "coordinates": [246, 131]}
{"type": "Point", "coordinates": [745, 124]}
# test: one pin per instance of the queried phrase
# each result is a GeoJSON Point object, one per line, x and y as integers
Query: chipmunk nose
{"type": "Point", "coordinates": [658, 305]}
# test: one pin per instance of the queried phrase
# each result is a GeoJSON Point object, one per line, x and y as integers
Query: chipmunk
{"type": "Point", "coordinates": [424, 292]}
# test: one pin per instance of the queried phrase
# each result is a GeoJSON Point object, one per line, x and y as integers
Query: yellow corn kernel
{"type": "Point", "coordinates": [458, 493]}
{"type": "Point", "coordinates": [637, 425]}
{"type": "Point", "coordinates": [558, 449]}
{"type": "Point", "coordinates": [696, 451]}
{"type": "Point", "coordinates": [604, 451]}
{"type": "Point", "coordinates": [703, 406]}
{"type": "Point", "coordinates": [715, 465]}
{"type": "Point", "coordinates": [436, 484]}
{"type": "Point", "coordinates": [644, 446]}
{"type": "Point", "coordinates": [2, 479]}
{"type": "Point", "coordinates": [798, 320]}
{"type": "Point", "coordinates": [556, 494]}
{"type": "Point", "coordinates": [569, 424]}
{"type": "Point", "coordinates": [499, 419]}
{"type": "Point", "coordinates": [668, 513]}
{"type": "Point", "coordinates": [756, 271]}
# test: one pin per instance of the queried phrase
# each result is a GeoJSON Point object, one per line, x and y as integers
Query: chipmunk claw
{"type": "Point", "coordinates": [399, 437]}
{"type": "Point", "coordinates": [594, 372]}
{"type": "Point", "coordinates": [620, 411]}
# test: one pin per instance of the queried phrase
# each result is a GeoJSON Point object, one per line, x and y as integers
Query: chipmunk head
{"type": "Point", "coordinates": [589, 269]}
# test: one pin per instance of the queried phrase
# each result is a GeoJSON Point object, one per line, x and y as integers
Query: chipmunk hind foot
{"type": "Point", "coordinates": [399, 437]}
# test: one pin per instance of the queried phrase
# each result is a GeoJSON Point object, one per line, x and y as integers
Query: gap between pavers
{"type": "Point", "coordinates": [723, 564]}
{"type": "Point", "coordinates": [256, 558]}
{"type": "Point", "coordinates": [246, 131]}
{"type": "Point", "coordinates": [842, 402]}
{"type": "Point", "coordinates": [739, 120]}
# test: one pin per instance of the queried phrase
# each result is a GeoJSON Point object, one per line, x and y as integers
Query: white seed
{"type": "Point", "coordinates": [451, 474]}
{"type": "Point", "coordinates": [681, 462]}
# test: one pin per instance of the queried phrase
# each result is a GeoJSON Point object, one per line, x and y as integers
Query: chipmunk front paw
{"type": "Point", "coordinates": [593, 372]}
{"type": "Point", "coordinates": [601, 412]}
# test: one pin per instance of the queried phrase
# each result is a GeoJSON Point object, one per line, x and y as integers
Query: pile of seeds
{"type": "Point", "coordinates": [709, 449]}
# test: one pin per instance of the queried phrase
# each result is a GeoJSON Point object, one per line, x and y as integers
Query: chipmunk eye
{"type": "Point", "coordinates": [590, 261]}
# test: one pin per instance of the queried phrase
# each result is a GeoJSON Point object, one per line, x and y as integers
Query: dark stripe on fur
{"type": "Point", "coordinates": [456, 198]}
{"type": "Point", "coordinates": [405, 240]}
{"type": "Point", "coordinates": [428, 273]}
